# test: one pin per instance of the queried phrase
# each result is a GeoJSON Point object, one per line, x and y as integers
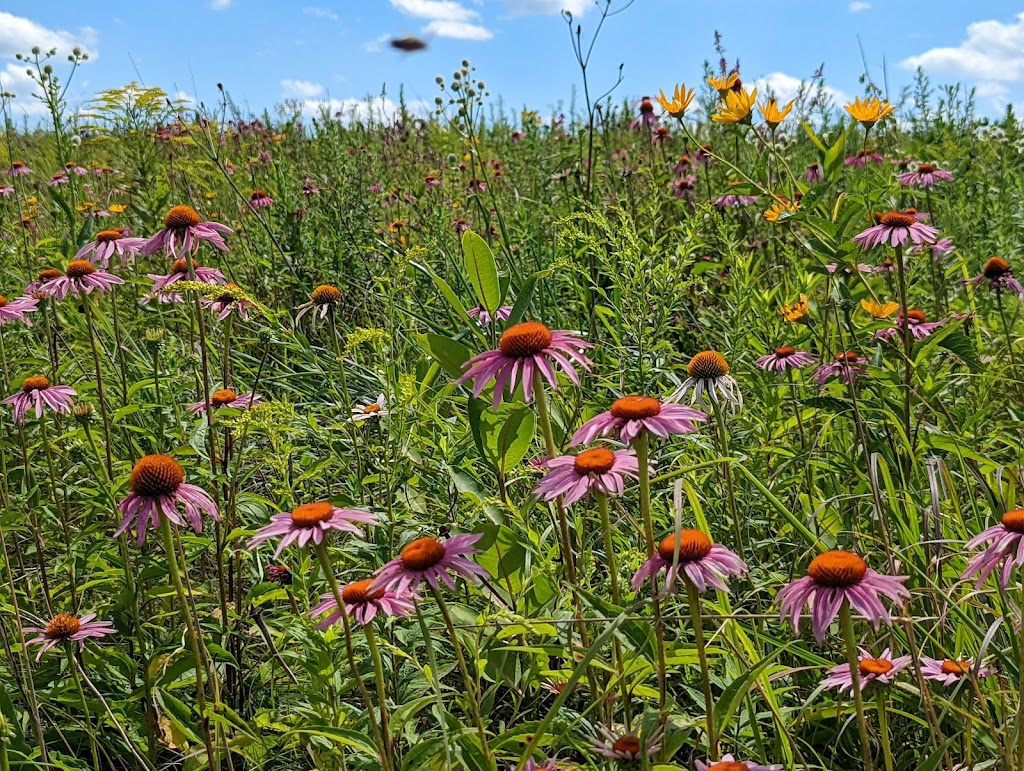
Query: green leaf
{"type": "Point", "coordinates": [732, 696]}
{"type": "Point", "coordinates": [813, 137]}
{"type": "Point", "coordinates": [503, 436]}
{"type": "Point", "coordinates": [834, 158]}
{"type": "Point", "coordinates": [483, 271]}
{"type": "Point", "coordinates": [503, 555]}
{"type": "Point", "coordinates": [343, 736]}
{"type": "Point", "coordinates": [451, 355]}
{"type": "Point", "coordinates": [961, 346]}
{"type": "Point", "coordinates": [525, 296]}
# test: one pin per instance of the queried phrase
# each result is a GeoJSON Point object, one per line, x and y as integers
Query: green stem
{"type": "Point", "coordinates": [730, 493]}
{"type": "Point", "coordinates": [642, 448]}
{"type": "Point", "coordinates": [846, 622]}
{"type": "Point", "coordinates": [346, 402]}
{"type": "Point", "coordinates": [613, 577]}
{"type": "Point", "coordinates": [85, 706]}
{"type": "Point", "coordinates": [378, 673]}
{"type": "Point", "coordinates": [908, 368]}
{"type": "Point", "coordinates": [61, 511]}
{"type": "Point", "coordinates": [87, 304]}
{"type": "Point", "coordinates": [1020, 695]}
{"type": "Point", "coordinates": [883, 725]}
{"type": "Point", "coordinates": [697, 619]}
{"type": "Point", "coordinates": [435, 678]}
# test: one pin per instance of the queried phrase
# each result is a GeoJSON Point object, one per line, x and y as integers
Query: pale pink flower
{"type": "Point", "coordinates": [924, 176]}
{"type": "Point", "coordinates": [108, 243]}
{"type": "Point", "coordinates": [310, 523]}
{"type": "Point", "coordinates": [729, 763]}
{"type": "Point", "coordinates": [81, 278]}
{"type": "Point", "coordinates": [1004, 544]}
{"type": "Point", "coordinates": [484, 318]}
{"type": "Point", "coordinates": [844, 367]}
{"type": "Point", "coordinates": [881, 669]}
{"type": "Point", "coordinates": [920, 328]}
{"type": "Point", "coordinates": [157, 486]}
{"type": "Point", "coordinates": [617, 743]}
{"type": "Point", "coordinates": [632, 415]}
{"type": "Point", "coordinates": [786, 357]}
{"type": "Point", "coordinates": [67, 627]}
{"type": "Point", "coordinates": [15, 310]}
{"type": "Point", "coordinates": [897, 228]}
{"type": "Point", "coordinates": [17, 169]}
{"type": "Point", "coordinates": [364, 603]}
{"type": "Point", "coordinates": [996, 274]}
{"type": "Point", "coordinates": [37, 392]}
{"type": "Point", "coordinates": [184, 231]}
{"type": "Point", "coordinates": [227, 398]}
{"type": "Point", "coordinates": [428, 559]}
{"type": "Point", "coordinates": [691, 553]}
{"type": "Point", "coordinates": [949, 671]}
{"type": "Point", "coordinates": [573, 477]}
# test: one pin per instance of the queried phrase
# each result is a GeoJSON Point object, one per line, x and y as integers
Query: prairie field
{"type": "Point", "coordinates": [680, 432]}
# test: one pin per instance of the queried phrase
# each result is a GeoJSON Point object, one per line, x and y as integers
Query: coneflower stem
{"type": "Point", "coordinates": [346, 402]}
{"type": "Point", "coordinates": [642, 448]}
{"type": "Point", "coordinates": [472, 692]}
{"type": "Point", "coordinates": [61, 510]}
{"type": "Point", "coordinates": [435, 678]}
{"type": "Point", "coordinates": [613, 577]}
{"type": "Point", "coordinates": [378, 674]}
{"type": "Point", "coordinates": [908, 369]}
{"type": "Point", "coordinates": [852, 656]}
{"type": "Point", "coordinates": [730, 493]}
{"type": "Point", "coordinates": [697, 619]}
{"type": "Point", "coordinates": [87, 304]}
{"type": "Point", "coordinates": [171, 554]}
{"type": "Point", "coordinates": [1020, 692]}
{"type": "Point", "coordinates": [1009, 336]}
{"type": "Point", "coordinates": [332, 581]}
{"type": "Point", "coordinates": [72, 653]}
{"type": "Point", "coordinates": [881, 696]}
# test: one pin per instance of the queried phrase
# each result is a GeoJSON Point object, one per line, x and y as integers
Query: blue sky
{"type": "Point", "coordinates": [266, 51]}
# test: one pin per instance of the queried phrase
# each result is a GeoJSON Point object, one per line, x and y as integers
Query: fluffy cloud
{"type": "Point", "coordinates": [543, 7]}
{"type": "Point", "coordinates": [857, 6]}
{"type": "Point", "coordinates": [320, 13]}
{"type": "Point", "coordinates": [18, 35]}
{"type": "Point", "coordinates": [301, 89]}
{"type": "Point", "coordinates": [992, 56]}
{"type": "Point", "coordinates": [786, 87]}
{"type": "Point", "coordinates": [379, 108]}
{"type": "Point", "coordinates": [447, 18]}
{"type": "Point", "coordinates": [220, 5]}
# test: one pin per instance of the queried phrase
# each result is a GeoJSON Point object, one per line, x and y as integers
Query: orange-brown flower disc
{"type": "Point", "coordinates": [370, 409]}
{"type": "Point", "coordinates": [423, 553]}
{"type": "Point", "coordinates": [875, 667]}
{"type": "Point", "coordinates": [850, 357]}
{"type": "Point", "coordinates": [3, 301]}
{"type": "Point", "coordinates": [325, 294]}
{"type": "Point", "coordinates": [926, 168]}
{"type": "Point", "coordinates": [105, 236]}
{"type": "Point", "coordinates": [17, 165]}
{"type": "Point", "coordinates": [728, 765]}
{"type": "Point", "coordinates": [62, 626]}
{"type": "Point", "coordinates": [527, 338]}
{"type": "Point", "coordinates": [359, 592]}
{"type": "Point", "coordinates": [635, 407]}
{"type": "Point", "coordinates": [958, 668]}
{"type": "Point", "coordinates": [181, 266]}
{"type": "Point", "coordinates": [708, 365]}
{"type": "Point", "coordinates": [897, 219]}
{"type": "Point", "coordinates": [597, 461]}
{"type": "Point", "coordinates": [629, 744]}
{"type": "Point", "coordinates": [312, 514]}
{"type": "Point", "coordinates": [995, 267]}
{"type": "Point", "coordinates": [156, 476]}
{"type": "Point", "coordinates": [36, 383]}
{"type": "Point", "coordinates": [181, 217]}
{"type": "Point", "coordinates": [258, 194]}
{"type": "Point", "coordinates": [49, 274]}
{"type": "Point", "coordinates": [80, 269]}
{"type": "Point", "coordinates": [222, 397]}
{"type": "Point", "coordinates": [1014, 520]}
{"type": "Point", "coordinates": [784, 351]}
{"type": "Point", "coordinates": [915, 315]}
{"type": "Point", "coordinates": [865, 151]}
{"type": "Point", "coordinates": [693, 545]}
{"type": "Point", "coordinates": [837, 568]}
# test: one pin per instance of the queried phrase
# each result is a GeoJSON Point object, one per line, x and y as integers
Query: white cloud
{"type": "Point", "coordinates": [786, 87]}
{"type": "Point", "coordinates": [440, 10]}
{"type": "Point", "coordinates": [347, 110]}
{"type": "Point", "coordinates": [14, 80]}
{"type": "Point", "coordinates": [857, 6]}
{"type": "Point", "coordinates": [18, 35]}
{"type": "Point", "coordinates": [301, 89]}
{"type": "Point", "coordinates": [459, 30]}
{"type": "Point", "coordinates": [320, 13]}
{"type": "Point", "coordinates": [220, 5]}
{"type": "Point", "coordinates": [375, 46]}
{"type": "Point", "coordinates": [544, 7]}
{"type": "Point", "coordinates": [992, 56]}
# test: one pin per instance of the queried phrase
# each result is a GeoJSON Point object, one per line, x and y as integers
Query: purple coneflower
{"type": "Point", "coordinates": [67, 627]}
{"type": "Point", "coordinates": [863, 157]}
{"type": "Point", "coordinates": [81, 278]}
{"type": "Point", "coordinates": [72, 168]}
{"type": "Point", "coordinates": [364, 602]}
{"type": "Point", "coordinates": [227, 398]}
{"type": "Point", "coordinates": [631, 415]}
{"type": "Point", "coordinates": [108, 243]}
{"type": "Point", "coordinates": [37, 392]}
{"type": "Point", "coordinates": [949, 671]}
{"type": "Point", "coordinates": [682, 165]}
{"type": "Point", "coordinates": [844, 367]}
{"type": "Point", "coordinates": [708, 373]}
{"type": "Point", "coordinates": [996, 274]}
{"type": "Point", "coordinates": [729, 763]}
{"type": "Point", "coordinates": [786, 357]}
{"type": "Point", "coordinates": [58, 179]}
{"type": "Point", "coordinates": [920, 327]}
{"type": "Point", "coordinates": [17, 169]}
{"type": "Point", "coordinates": [862, 267]}
{"type": "Point", "coordinates": [11, 310]}
{"type": "Point", "coordinates": [432, 181]}
{"type": "Point", "coordinates": [619, 744]}
{"type": "Point", "coordinates": [310, 522]}
{"type": "Point", "coordinates": [897, 228]}
{"type": "Point", "coordinates": [924, 176]}
{"type": "Point", "coordinates": [836, 577]}
{"type": "Point", "coordinates": [939, 249]}
{"type": "Point", "coordinates": [814, 173]}
{"type": "Point", "coordinates": [646, 119]}
{"type": "Point", "coordinates": [322, 301]}
{"type": "Point", "coordinates": [179, 272]}
{"type": "Point", "coordinates": [476, 186]}
{"type": "Point", "coordinates": [6, 191]}
{"type": "Point", "coordinates": [703, 155]}
{"type": "Point", "coordinates": [259, 200]}
{"type": "Point", "coordinates": [684, 187]}
{"type": "Point", "coordinates": [428, 559]}
{"type": "Point", "coordinates": [733, 201]}
{"type": "Point", "coordinates": [157, 486]}
{"type": "Point", "coordinates": [661, 134]}
{"type": "Point", "coordinates": [1005, 544]}
{"type": "Point", "coordinates": [524, 349]}
{"type": "Point", "coordinates": [231, 301]}
{"type": "Point", "coordinates": [44, 280]}
{"type": "Point", "coordinates": [484, 318]}
{"type": "Point", "coordinates": [184, 231]}
{"type": "Point", "coordinates": [598, 470]}
{"type": "Point", "coordinates": [882, 669]}
{"type": "Point", "coordinates": [692, 553]}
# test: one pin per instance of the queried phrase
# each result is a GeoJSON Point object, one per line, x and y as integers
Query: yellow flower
{"type": "Point", "coordinates": [879, 310]}
{"type": "Point", "coordinates": [737, 107]}
{"type": "Point", "coordinates": [780, 211]}
{"type": "Point", "coordinates": [31, 200]}
{"type": "Point", "coordinates": [679, 103]}
{"type": "Point", "coordinates": [798, 311]}
{"type": "Point", "coordinates": [85, 206]}
{"type": "Point", "coordinates": [870, 111]}
{"type": "Point", "coordinates": [117, 208]}
{"type": "Point", "coordinates": [279, 137]}
{"type": "Point", "coordinates": [724, 84]}
{"type": "Point", "coordinates": [771, 113]}
{"type": "Point", "coordinates": [530, 116]}
{"type": "Point", "coordinates": [209, 196]}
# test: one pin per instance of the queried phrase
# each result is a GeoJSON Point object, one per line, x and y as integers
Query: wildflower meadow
{"type": "Point", "coordinates": [677, 432]}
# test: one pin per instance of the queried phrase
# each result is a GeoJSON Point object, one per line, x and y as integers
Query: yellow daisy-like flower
{"type": "Point", "coordinates": [879, 310]}
{"type": "Point", "coordinates": [85, 206]}
{"type": "Point", "coordinates": [798, 311]}
{"type": "Point", "coordinates": [738, 107]}
{"type": "Point", "coordinates": [771, 113]}
{"type": "Point", "coordinates": [780, 211]}
{"type": "Point", "coordinates": [209, 196]}
{"type": "Point", "coordinates": [869, 111]}
{"type": "Point", "coordinates": [116, 208]}
{"type": "Point", "coordinates": [724, 84]}
{"type": "Point", "coordinates": [31, 200]}
{"type": "Point", "coordinates": [679, 103]}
